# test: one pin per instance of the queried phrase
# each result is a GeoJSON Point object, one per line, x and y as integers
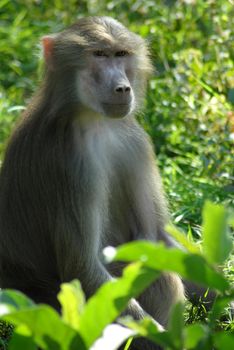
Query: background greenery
{"type": "Point", "coordinates": [189, 105]}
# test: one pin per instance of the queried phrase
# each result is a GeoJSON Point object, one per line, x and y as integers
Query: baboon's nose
{"type": "Point", "coordinates": [123, 89]}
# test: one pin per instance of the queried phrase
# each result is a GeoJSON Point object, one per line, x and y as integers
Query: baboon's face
{"type": "Point", "coordinates": [106, 84]}
{"type": "Point", "coordinates": [100, 65]}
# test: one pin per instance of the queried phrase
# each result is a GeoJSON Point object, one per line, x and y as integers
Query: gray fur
{"type": "Point", "coordinates": [75, 179]}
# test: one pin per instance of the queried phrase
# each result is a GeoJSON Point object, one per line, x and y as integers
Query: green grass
{"type": "Point", "coordinates": [189, 105]}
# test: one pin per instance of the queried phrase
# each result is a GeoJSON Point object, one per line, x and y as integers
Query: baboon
{"type": "Point", "coordinates": [79, 171]}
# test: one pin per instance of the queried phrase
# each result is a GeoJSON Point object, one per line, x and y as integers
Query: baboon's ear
{"type": "Point", "coordinates": [48, 46]}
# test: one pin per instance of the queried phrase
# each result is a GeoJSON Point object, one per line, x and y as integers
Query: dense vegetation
{"type": "Point", "coordinates": [82, 323]}
{"type": "Point", "coordinates": [189, 115]}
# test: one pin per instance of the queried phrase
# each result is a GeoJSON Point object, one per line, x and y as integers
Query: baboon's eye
{"type": "Point", "coordinates": [99, 53]}
{"type": "Point", "coordinates": [121, 53]}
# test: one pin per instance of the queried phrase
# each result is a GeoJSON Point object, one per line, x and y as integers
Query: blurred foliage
{"type": "Point", "coordinates": [189, 106]}
{"type": "Point", "coordinates": [77, 326]}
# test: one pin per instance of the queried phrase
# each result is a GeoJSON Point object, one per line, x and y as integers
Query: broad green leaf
{"type": "Point", "coordinates": [112, 298]}
{"type": "Point", "coordinates": [147, 328]}
{"type": "Point", "coordinates": [176, 325]}
{"type": "Point", "coordinates": [193, 334]}
{"type": "Point", "coordinates": [182, 239]}
{"type": "Point", "coordinates": [22, 339]}
{"type": "Point", "coordinates": [14, 300]}
{"type": "Point", "coordinates": [3, 3]}
{"type": "Point", "coordinates": [224, 341]}
{"type": "Point", "coordinates": [156, 256]}
{"type": "Point", "coordinates": [48, 330]}
{"type": "Point", "coordinates": [231, 219]}
{"type": "Point", "coordinates": [19, 341]}
{"type": "Point", "coordinates": [217, 241]}
{"type": "Point", "coordinates": [72, 300]}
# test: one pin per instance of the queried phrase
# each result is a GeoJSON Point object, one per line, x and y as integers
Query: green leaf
{"type": "Point", "coordinates": [176, 325]}
{"type": "Point", "coordinates": [13, 300]}
{"type": "Point", "coordinates": [224, 341]}
{"type": "Point", "coordinates": [217, 241]}
{"type": "Point", "coordinates": [147, 328]}
{"type": "Point", "coordinates": [48, 330]}
{"type": "Point", "coordinates": [193, 334]}
{"type": "Point", "coordinates": [22, 339]}
{"type": "Point", "coordinates": [3, 3]}
{"type": "Point", "coordinates": [72, 300]}
{"type": "Point", "coordinates": [156, 256]}
{"type": "Point", "coordinates": [112, 298]}
{"type": "Point", "coordinates": [182, 239]}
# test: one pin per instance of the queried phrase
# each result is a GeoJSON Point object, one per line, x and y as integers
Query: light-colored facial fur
{"type": "Point", "coordinates": [106, 84]}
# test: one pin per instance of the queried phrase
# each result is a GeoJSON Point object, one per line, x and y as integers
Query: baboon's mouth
{"type": "Point", "coordinates": [116, 104]}
{"type": "Point", "coordinates": [116, 110]}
